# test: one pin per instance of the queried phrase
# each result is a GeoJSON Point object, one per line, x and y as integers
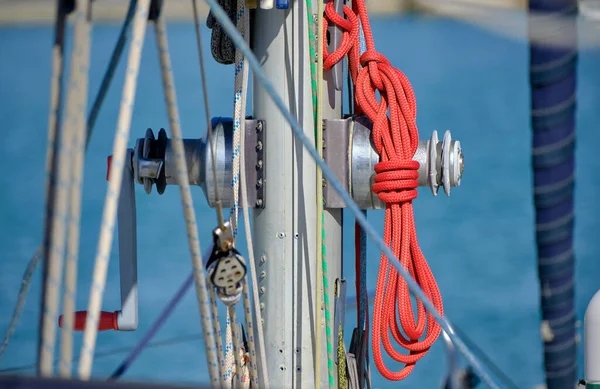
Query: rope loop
{"type": "Point", "coordinates": [384, 94]}
{"type": "Point", "coordinates": [396, 181]}
{"type": "Point", "coordinates": [350, 33]}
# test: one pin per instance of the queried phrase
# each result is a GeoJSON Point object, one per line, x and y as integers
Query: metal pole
{"type": "Point", "coordinates": [285, 239]}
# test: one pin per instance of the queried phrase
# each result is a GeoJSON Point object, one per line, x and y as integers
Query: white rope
{"type": "Point", "coordinates": [241, 371]}
{"type": "Point", "coordinates": [239, 120]}
{"type": "Point", "coordinates": [76, 116]}
{"type": "Point", "coordinates": [218, 337]}
{"type": "Point", "coordinates": [187, 202]}
{"type": "Point", "coordinates": [238, 164]}
{"type": "Point", "coordinates": [250, 331]}
{"type": "Point", "coordinates": [229, 361]}
{"type": "Point", "coordinates": [60, 212]}
{"type": "Point", "coordinates": [114, 188]}
{"type": "Point", "coordinates": [247, 227]}
{"type": "Point", "coordinates": [51, 155]}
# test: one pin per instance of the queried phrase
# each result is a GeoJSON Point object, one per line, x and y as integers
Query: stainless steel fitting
{"type": "Point", "coordinates": [441, 164]}
{"type": "Point", "coordinates": [156, 165]}
{"type": "Point", "coordinates": [347, 148]}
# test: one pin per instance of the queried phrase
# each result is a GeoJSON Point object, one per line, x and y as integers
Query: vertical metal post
{"type": "Point", "coordinates": [285, 230]}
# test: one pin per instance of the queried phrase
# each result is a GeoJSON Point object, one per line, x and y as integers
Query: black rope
{"type": "Point", "coordinates": [221, 45]}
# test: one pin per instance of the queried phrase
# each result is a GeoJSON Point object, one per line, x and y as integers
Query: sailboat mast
{"type": "Point", "coordinates": [285, 230]}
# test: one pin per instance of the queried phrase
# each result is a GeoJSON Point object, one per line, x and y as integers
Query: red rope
{"type": "Point", "coordinates": [396, 138]}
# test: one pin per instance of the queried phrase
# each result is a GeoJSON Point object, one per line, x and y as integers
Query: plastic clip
{"type": "Point", "coordinates": [282, 4]}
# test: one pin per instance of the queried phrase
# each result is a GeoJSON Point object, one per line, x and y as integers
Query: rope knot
{"type": "Point", "coordinates": [376, 64]}
{"type": "Point", "coordinates": [350, 30]}
{"type": "Point", "coordinates": [396, 181]}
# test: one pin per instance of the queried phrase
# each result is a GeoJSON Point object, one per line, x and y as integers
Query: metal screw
{"type": "Point", "coordinates": [259, 127]}
{"type": "Point", "coordinates": [259, 146]}
{"type": "Point", "coordinates": [263, 258]}
{"type": "Point", "coordinates": [259, 164]}
{"type": "Point", "coordinates": [259, 203]}
{"type": "Point", "coordinates": [262, 306]}
{"type": "Point", "coordinates": [281, 235]}
{"type": "Point", "coordinates": [259, 182]}
{"type": "Point", "coordinates": [262, 290]}
{"type": "Point", "coordinates": [263, 274]}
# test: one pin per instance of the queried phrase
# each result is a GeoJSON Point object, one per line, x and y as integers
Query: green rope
{"type": "Point", "coordinates": [330, 367]}
{"type": "Point", "coordinates": [313, 61]}
{"type": "Point", "coordinates": [315, 100]}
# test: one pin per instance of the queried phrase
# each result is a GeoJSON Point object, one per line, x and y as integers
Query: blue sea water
{"type": "Point", "coordinates": [479, 242]}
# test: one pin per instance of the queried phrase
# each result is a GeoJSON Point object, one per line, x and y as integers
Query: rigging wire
{"type": "Point", "coordinates": [124, 349]}
{"type": "Point", "coordinates": [239, 132]}
{"type": "Point", "coordinates": [156, 326]}
{"type": "Point", "coordinates": [247, 227]}
{"type": "Point", "coordinates": [54, 112]}
{"type": "Point", "coordinates": [239, 162]}
{"type": "Point", "coordinates": [218, 338]}
{"type": "Point", "coordinates": [186, 200]}
{"type": "Point", "coordinates": [21, 299]}
{"type": "Point", "coordinates": [110, 72]}
{"type": "Point", "coordinates": [218, 206]}
{"type": "Point", "coordinates": [76, 115]}
{"type": "Point", "coordinates": [218, 203]}
{"type": "Point", "coordinates": [114, 188]}
{"type": "Point", "coordinates": [330, 176]}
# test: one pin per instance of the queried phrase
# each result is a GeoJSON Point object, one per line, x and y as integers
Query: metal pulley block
{"type": "Point", "coordinates": [226, 267]}
{"type": "Point", "coordinates": [347, 148]}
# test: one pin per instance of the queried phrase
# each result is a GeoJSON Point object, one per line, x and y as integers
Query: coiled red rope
{"type": "Point", "coordinates": [396, 138]}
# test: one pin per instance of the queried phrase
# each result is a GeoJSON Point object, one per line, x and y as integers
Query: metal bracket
{"type": "Point", "coordinates": [336, 154]}
{"type": "Point", "coordinates": [255, 146]}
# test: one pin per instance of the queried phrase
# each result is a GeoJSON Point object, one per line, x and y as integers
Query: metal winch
{"type": "Point", "coordinates": [347, 148]}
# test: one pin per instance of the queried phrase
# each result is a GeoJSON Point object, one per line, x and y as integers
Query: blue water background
{"type": "Point", "coordinates": [479, 242]}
